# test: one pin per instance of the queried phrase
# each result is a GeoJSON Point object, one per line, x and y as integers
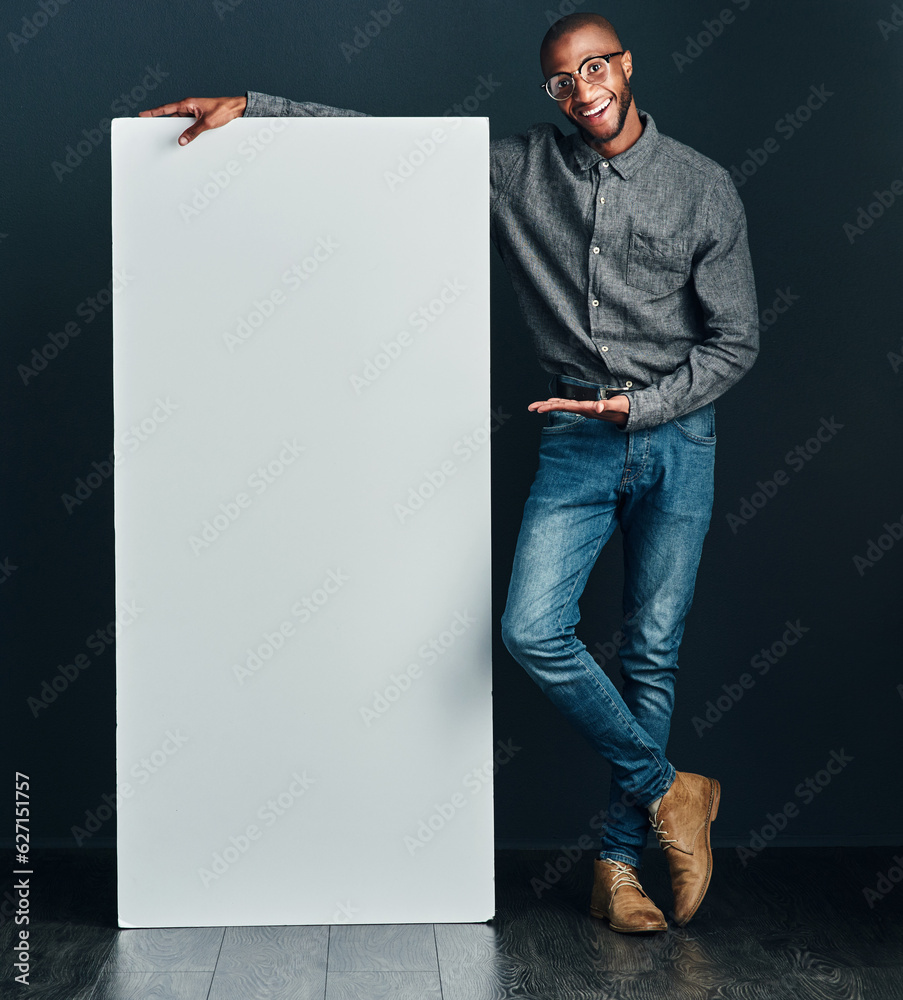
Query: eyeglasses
{"type": "Point", "coordinates": [595, 69]}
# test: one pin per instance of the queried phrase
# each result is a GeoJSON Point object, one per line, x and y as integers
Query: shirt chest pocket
{"type": "Point", "coordinates": [658, 264]}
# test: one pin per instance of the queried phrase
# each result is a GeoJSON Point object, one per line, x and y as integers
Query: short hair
{"type": "Point", "coordinates": [571, 22]}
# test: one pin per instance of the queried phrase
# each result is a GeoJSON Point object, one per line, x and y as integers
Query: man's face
{"type": "Point", "coordinates": [568, 52]}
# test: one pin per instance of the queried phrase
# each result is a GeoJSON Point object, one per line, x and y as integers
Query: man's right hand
{"type": "Point", "coordinates": [211, 112]}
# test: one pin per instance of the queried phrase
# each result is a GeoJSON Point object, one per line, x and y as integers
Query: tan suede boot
{"type": "Point", "coordinates": [682, 823]}
{"type": "Point", "coordinates": [619, 898]}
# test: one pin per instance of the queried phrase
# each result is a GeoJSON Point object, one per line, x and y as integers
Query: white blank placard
{"type": "Point", "coordinates": [302, 428]}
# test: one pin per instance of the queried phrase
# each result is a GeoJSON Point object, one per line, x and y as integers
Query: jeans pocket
{"type": "Point", "coordinates": [698, 425]}
{"type": "Point", "coordinates": [562, 420]}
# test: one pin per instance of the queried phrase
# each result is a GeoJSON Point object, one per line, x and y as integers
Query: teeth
{"type": "Point", "coordinates": [591, 112]}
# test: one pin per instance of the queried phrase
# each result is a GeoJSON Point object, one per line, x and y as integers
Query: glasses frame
{"type": "Point", "coordinates": [607, 57]}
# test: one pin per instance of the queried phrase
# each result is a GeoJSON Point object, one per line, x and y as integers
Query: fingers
{"type": "Point", "coordinates": [190, 107]}
{"type": "Point", "coordinates": [193, 131]}
{"type": "Point", "coordinates": [600, 409]}
{"type": "Point", "coordinates": [187, 108]}
{"type": "Point", "coordinates": [544, 402]}
{"type": "Point", "coordinates": [174, 107]}
{"type": "Point", "coordinates": [557, 403]}
{"type": "Point", "coordinates": [210, 112]}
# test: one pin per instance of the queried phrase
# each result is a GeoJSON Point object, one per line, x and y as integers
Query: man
{"type": "Point", "coordinates": [629, 255]}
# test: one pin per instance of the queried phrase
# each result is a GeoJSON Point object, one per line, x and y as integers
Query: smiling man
{"type": "Point", "coordinates": [628, 253]}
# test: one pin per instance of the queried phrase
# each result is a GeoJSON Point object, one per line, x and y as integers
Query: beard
{"type": "Point", "coordinates": [624, 98]}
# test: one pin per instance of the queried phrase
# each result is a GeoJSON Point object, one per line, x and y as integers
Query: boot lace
{"type": "Point", "coordinates": [660, 832]}
{"type": "Point", "coordinates": [622, 875]}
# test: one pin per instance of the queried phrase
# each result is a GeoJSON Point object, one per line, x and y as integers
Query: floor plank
{"type": "Point", "coordinates": [166, 949]}
{"type": "Point", "coordinates": [383, 986]}
{"type": "Point", "coordinates": [382, 948]}
{"type": "Point", "coordinates": [275, 963]}
{"type": "Point", "coordinates": [474, 964]}
{"type": "Point", "coordinates": [152, 986]}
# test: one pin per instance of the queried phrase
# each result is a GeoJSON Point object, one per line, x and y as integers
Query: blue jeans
{"type": "Point", "coordinates": [657, 485]}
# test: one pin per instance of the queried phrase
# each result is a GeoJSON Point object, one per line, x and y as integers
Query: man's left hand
{"type": "Point", "coordinates": [615, 409]}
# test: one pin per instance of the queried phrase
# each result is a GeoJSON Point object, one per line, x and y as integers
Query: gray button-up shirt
{"type": "Point", "coordinates": [631, 271]}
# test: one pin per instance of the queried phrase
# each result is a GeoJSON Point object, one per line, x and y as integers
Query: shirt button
{"type": "Point", "coordinates": [595, 302]}
{"type": "Point", "coordinates": [627, 385]}
{"type": "Point", "coordinates": [595, 249]}
{"type": "Point", "coordinates": [601, 201]}
{"type": "Point", "coordinates": [604, 348]}
{"type": "Point", "coordinates": [605, 163]}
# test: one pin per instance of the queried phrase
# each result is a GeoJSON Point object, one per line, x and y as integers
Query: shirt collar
{"type": "Point", "coordinates": [583, 156]}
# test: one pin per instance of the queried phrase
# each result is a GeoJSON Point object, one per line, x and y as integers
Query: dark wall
{"type": "Point", "coordinates": [821, 548]}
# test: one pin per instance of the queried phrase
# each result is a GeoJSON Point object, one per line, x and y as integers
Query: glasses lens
{"type": "Point", "coordinates": [595, 71]}
{"type": "Point", "coordinates": [560, 86]}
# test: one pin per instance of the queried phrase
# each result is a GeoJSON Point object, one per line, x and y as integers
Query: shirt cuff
{"type": "Point", "coordinates": [645, 411]}
{"type": "Point", "coordinates": [266, 106]}
{"type": "Point", "coordinates": [252, 109]}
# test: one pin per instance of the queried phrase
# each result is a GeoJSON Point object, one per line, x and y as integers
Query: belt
{"type": "Point", "coordinates": [567, 390]}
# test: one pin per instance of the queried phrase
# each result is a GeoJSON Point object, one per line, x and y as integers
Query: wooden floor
{"type": "Point", "coordinates": [794, 923]}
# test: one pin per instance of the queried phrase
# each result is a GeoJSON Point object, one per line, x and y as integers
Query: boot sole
{"type": "Point", "coordinates": [714, 802]}
{"type": "Point", "coordinates": [626, 930]}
